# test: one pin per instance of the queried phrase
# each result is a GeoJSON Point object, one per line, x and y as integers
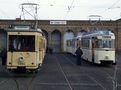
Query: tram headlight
{"type": "Point", "coordinates": [21, 61]}
{"type": "Point", "coordinates": [106, 57]}
{"type": "Point", "coordinates": [10, 63]}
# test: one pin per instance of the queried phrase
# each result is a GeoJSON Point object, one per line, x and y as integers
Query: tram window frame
{"type": "Point", "coordinates": [41, 46]}
{"type": "Point", "coordinates": [73, 43]}
{"type": "Point", "coordinates": [96, 43]}
{"type": "Point", "coordinates": [78, 43]}
{"type": "Point", "coordinates": [26, 43]}
{"type": "Point", "coordinates": [109, 43]}
{"type": "Point", "coordinates": [101, 44]}
{"type": "Point", "coordinates": [68, 43]}
{"type": "Point", "coordinates": [86, 43]}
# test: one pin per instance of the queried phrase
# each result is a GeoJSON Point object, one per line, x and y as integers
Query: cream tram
{"type": "Point", "coordinates": [26, 48]}
{"type": "Point", "coordinates": [99, 47]}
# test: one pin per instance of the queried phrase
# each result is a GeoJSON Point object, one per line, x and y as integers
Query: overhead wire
{"type": "Point", "coordinates": [110, 7]}
{"type": "Point", "coordinates": [114, 4]}
{"type": "Point", "coordinates": [69, 9]}
{"type": "Point", "coordinates": [95, 22]}
{"type": "Point", "coordinates": [4, 14]}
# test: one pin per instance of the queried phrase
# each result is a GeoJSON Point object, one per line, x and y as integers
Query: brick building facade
{"type": "Point", "coordinates": [57, 32]}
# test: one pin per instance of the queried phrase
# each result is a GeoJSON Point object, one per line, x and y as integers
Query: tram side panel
{"type": "Point", "coordinates": [72, 45]}
{"type": "Point", "coordinates": [87, 54]}
{"type": "Point", "coordinates": [75, 45]}
{"type": "Point", "coordinates": [42, 49]}
{"type": "Point", "coordinates": [87, 50]}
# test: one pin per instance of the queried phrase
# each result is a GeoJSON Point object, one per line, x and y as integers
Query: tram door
{"type": "Point", "coordinates": [56, 41]}
{"type": "Point", "coordinates": [93, 47]}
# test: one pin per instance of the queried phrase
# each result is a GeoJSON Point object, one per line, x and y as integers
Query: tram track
{"type": "Point", "coordinates": [83, 84]}
{"type": "Point", "coordinates": [3, 82]}
{"type": "Point", "coordinates": [11, 76]}
{"type": "Point", "coordinates": [61, 69]}
{"type": "Point", "coordinates": [96, 81]}
{"type": "Point", "coordinates": [30, 85]}
{"type": "Point", "coordinates": [112, 77]}
{"type": "Point", "coordinates": [7, 75]}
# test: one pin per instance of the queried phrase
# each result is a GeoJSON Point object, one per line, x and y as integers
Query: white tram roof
{"type": "Point", "coordinates": [98, 33]}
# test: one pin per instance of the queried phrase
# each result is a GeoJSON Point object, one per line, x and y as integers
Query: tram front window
{"type": "Point", "coordinates": [106, 43]}
{"type": "Point", "coordinates": [21, 43]}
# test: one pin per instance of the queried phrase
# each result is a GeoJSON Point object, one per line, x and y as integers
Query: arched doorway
{"type": "Point", "coordinates": [56, 41]}
{"type": "Point", "coordinates": [3, 39]}
{"type": "Point", "coordinates": [68, 35]}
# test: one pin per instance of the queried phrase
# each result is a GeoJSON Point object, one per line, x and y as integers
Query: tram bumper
{"type": "Point", "coordinates": [107, 61]}
{"type": "Point", "coordinates": [22, 67]}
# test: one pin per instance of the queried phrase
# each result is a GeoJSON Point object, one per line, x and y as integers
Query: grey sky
{"type": "Point", "coordinates": [64, 9]}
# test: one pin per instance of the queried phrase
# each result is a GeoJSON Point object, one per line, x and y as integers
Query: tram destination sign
{"type": "Point", "coordinates": [107, 37]}
{"type": "Point", "coordinates": [58, 22]}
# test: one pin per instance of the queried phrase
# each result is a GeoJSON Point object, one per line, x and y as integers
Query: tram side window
{"type": "Point", "coordinates": [68, 43]}
{"type": "Point", "coordinates": [78, 44]}
{"type": "Point", "coordinates": [73, 43]}
{"type": "Point", "coordinates": [96, 44]}
{"type": "Point", "coordinates": [40, 44]}
{"type": "Point", "coordinates": [21, 43]}
{"type": "Point", "coordinates": [85, 43]}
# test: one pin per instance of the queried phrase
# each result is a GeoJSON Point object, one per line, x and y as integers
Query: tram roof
{"type": "Point", "coordinates": [98, 33]}
{"type": "Point", "coordinates": [23, 28]}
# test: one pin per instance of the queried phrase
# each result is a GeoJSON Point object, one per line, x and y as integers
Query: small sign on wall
{"type": "Point", "coordinates": [58, 22]}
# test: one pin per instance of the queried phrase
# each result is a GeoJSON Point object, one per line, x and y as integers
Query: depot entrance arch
{"type": "Point", "coordinates": [56, 41]}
